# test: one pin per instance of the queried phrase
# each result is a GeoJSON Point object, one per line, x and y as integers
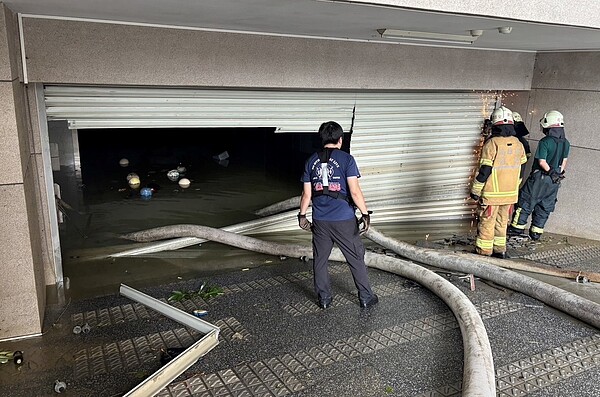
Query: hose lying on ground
{"type": "Point", "coordinates": [478, 369]}
{"type": "Point", "coordinates": [488, 268]}
{"type": "Point", "coordinates": [256, 224]}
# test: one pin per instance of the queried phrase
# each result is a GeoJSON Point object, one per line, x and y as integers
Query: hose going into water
{"type": "Point", "coordinates": [478, 369]}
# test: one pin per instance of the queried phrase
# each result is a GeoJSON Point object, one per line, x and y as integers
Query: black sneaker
{"type": "Point", "coordinates": [513, 231]}
{"type": "Point", "coordinates": [371, 302]}
{"type": "Point", "coordinates": [534, 236]}
{"type": "Point", "coordinates": [499, 255]}
{"type": "Point", "coordinates": [325, 303]}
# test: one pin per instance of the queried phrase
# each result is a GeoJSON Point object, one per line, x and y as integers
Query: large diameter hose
{"type": "Point", "coordinates": [478, 369]}
{"type": "Point", "coordinates": [574, 305]}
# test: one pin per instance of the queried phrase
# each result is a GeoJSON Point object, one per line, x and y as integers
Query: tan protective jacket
{"type": "Point", "coordinates": [505, 155]}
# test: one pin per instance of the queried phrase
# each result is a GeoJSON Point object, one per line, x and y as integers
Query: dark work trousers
{"type": "Point", "coordinates": [537, 198]}
{"type": "Point", "coordinates": [345, 235]}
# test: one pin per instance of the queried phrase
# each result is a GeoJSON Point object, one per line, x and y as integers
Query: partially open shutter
{"type": "Point", "coordinates": [417, 151]}
{"type": "Point", "coordinates": [291, 111]}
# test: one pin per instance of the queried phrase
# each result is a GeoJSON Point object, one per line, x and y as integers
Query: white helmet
{"type": "Point", "coordinates": [502, 115]}
{"type": "Point", "coordinates": [553, 118]}
{"type": "Point", "coordinates": [517, 117]}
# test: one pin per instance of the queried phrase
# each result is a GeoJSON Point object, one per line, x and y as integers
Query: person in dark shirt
{"type": "Point", "coordinates": [330, 180]}
{"type": "Point", "coordinates": [538, 195]}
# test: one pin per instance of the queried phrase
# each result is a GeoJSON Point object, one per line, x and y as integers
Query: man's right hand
{"type": "Point", "coordinates": [304, 223]}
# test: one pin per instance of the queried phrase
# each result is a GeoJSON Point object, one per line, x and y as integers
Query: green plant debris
{"type": "Point", "coordinates": [388, 389]}
{"type": "Point", "coordinates": [205, 292]}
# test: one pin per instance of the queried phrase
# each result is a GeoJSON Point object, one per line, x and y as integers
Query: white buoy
{"type": "Point", "coordinates": [184, 183]}
{"type": "Point", "coordinates": [123, 162]}
{"type": "Point", "coordinates": [132, 175]}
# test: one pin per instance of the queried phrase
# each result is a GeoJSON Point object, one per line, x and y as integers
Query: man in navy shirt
{"type": "Point", "coordinates": [331, 181]}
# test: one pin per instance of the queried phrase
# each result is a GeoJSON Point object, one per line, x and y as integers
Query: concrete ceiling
{"type": "Point", "coordinates": [323, 19]}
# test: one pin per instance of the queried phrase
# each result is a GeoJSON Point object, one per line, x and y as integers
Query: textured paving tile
{"type": "Point", "coordinates": [277, 376]}
{"type": "Point", "coordinates": [529, 374]}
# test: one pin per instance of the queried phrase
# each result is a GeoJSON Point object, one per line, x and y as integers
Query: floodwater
{"type": "Point", "coordinates": [104, 207]}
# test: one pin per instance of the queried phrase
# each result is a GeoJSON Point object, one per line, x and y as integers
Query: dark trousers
{"type": "Point", "coordinates": [538, 199]}
{"type": "Point", "coordinates": [345, 235]}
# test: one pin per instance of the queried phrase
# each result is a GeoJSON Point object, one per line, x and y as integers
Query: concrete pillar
{"type": "Point", "coordinates": [22, 285]}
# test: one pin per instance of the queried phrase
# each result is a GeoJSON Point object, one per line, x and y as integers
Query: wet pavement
{"type": "Point", "coordinates": [275, 341]}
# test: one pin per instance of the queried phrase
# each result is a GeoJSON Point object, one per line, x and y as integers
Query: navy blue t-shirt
{"type": "Point", "coordinates": [341, 166]}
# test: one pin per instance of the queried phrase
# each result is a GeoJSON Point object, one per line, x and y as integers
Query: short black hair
{"type": "Point", "coordinates": [330, 132]}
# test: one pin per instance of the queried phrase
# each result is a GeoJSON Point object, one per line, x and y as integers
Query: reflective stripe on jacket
{"type": "Point", "coordinates": [505, 155]}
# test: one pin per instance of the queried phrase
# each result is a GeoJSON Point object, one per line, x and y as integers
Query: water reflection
{"type": "Point", "coordinates": [217, 197]}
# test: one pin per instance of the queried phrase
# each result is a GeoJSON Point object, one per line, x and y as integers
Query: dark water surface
{"type": "Point", "coordinates": [259, 172]}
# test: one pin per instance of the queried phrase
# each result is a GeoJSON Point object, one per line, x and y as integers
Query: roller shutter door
{"type": "Point", "coordinates": [417, 151]}
{"type": "Point", "coordinates": [99, 107]}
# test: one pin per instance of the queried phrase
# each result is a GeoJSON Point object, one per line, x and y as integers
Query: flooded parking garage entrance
{"type": "Point", "coordinates": [261, 168]}
{"type": "Point", "coordinates": [232, 173]}
{"type": "Point", "coordinates": [242, 151]}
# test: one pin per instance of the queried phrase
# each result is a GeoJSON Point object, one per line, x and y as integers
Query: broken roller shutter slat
{"type": "Point", "coordinates": [410, 142]}
{"type": "Point", "coordinates": [101, 107]}
{"type": "Point", "coordinates": [152, 385]}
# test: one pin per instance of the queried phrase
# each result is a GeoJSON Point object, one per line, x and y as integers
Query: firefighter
{"type": "Point", "coordinates": [538, 195]}
{"type": "Point", "coordinates": [496, 186]}
{"type": "Point", "coordinates": [522, 132]}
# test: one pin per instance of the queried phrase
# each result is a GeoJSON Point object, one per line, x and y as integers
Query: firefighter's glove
{"type": "Point", "coordinates": [475, 197]}
{"type": "Point", "coordinates": [556, 176]}
{"type": "Point", "coordinates": [304, 223]}
{"type": "Point", "coordinates": [365, 221]}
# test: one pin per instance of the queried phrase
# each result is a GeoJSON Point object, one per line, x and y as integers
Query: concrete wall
{"type": "Point", "coordinates": [570, 83]}
{"type": "Point", "coordinates": [95, 53]}
{"type": "Point", "coordinates": [22, 285]}
{"type": "Point", "coordinates": [562, 12]}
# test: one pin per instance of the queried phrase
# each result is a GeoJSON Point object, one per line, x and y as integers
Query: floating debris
{"type": "Point", "coordinates": [173, 175]}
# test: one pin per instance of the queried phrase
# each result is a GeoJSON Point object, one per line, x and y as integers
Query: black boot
{"type": "Point", "coordinates": [500, 255]}
{"type": "Point", "coordinates": [534, 236]}
{"type": "Point", "coordinates": [513, 231]}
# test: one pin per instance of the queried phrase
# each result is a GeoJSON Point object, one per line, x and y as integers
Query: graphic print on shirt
{"type": "Point", "coordinates": [324, 175]}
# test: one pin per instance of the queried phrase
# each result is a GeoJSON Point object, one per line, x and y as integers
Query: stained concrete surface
{"type": "Point", "coordinates": [276, 341]}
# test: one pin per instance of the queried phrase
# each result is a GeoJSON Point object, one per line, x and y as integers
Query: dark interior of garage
{"type": "Point", "coordinates": [151, 151]}
{"type": "Point", "coordinates": [232, 172]}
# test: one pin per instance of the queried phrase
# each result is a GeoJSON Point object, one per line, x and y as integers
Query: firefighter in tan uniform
{"type": "Point", "coordinates": [496, 186]}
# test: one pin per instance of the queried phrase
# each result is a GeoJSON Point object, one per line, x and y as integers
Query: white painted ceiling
{"type": "Point", "coordinates": [317, 18]}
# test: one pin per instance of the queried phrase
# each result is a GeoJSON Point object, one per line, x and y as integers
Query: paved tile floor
{"type": "Point", "coordinates": [275, 341]}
